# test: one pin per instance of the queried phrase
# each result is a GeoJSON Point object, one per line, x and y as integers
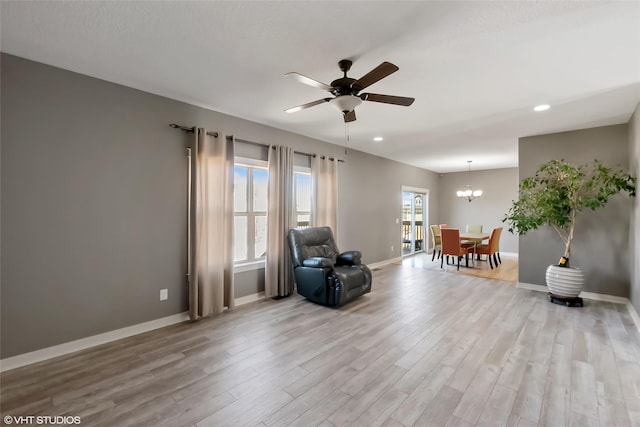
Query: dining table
{"type": "Point", "coordinates": [475, 238]}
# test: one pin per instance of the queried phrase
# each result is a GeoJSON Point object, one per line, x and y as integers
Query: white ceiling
{"type": "Point", "coordinates": [476, 69]}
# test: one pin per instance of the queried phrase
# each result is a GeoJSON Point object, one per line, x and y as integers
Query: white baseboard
{"type": "Point", "coordinates": [634, 314]}
{"type": "Point", "coordinates": [383, 263]}
{"type": "Point", "coordinates": [604, 297]}
{"type": "Point", "coordinates": [83, 343]}
{"type": "Point", "coordinates": [531, 287]}
{"type": "Point", "coordinates": [587, 295]}
{"type": "Point", "coordinates": [249, 298]}
{"type": "Point", "coordinates": [592, 296]}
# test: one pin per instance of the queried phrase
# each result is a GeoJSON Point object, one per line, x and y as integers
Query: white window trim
{"type": "Point", "coordinates": [305, 171]}
{"type": "Point", "coordinates": [255, 264]}
{"type": "Point", "coordinates": [241, 267]}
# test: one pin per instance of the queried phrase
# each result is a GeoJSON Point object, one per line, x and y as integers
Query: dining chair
{"type": "Point", "coordinates": [491, 249]}
{"type": "Point", "coordinates": [436, 241]}
{"type": "Point", "coordinates": [498, 245]}
{"type": "Point", "coordinates": [474, 228]}
{"type": "Point", "coordinates": [451, 246]}
{"type": "Point", "coordinates": [441, 226]}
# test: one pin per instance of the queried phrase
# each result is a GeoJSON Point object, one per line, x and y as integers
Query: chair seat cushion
{"type": "Point", "coordinates": [483, 249]}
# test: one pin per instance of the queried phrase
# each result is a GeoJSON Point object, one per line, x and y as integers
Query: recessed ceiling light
{"type": "Point", "coordinates": [541, 107]}
{"type": "Point", "coordinates": [378, 138]}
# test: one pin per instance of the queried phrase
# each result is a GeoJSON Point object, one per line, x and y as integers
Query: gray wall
{"type": "Point", "coordinates": [601, 244]}
{"type": "Point", "coordinates": [499, 187]}
{"type": "Point", "coordinates": [377, 197]}
{"type": "Point", "coordinates": [634, 150]}
{"type": "Point", "coordinates": [94, 195]}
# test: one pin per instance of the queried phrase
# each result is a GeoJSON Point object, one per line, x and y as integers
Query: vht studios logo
{"type": "Point", "coordinates": [41, 419]}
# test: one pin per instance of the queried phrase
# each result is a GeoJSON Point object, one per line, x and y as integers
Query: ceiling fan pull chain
{"type": "Point", "coordinates": [346, 136]}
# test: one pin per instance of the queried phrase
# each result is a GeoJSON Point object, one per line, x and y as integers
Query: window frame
{"type": "Point", "coordinates": [302, 170]}
{"type": "Point", "coordinates": [251, 262]}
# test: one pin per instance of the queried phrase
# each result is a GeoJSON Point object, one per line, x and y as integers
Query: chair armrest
{"type": "Point", "coordinates": [318, 262]}
{"type": "Point", "coordinates": [349, 258]}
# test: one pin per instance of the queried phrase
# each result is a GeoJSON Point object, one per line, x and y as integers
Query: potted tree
{"type": "Point", "coordinates": [554, 196]}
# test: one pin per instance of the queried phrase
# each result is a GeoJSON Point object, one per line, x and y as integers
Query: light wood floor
{"type": "Point", "coordinates": [425, 348]}
{"type": "Point", "coordinates": [506, 271]}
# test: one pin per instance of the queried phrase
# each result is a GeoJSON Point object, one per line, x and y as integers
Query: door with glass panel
{"type": "Point", "coordinates": [413, 238]}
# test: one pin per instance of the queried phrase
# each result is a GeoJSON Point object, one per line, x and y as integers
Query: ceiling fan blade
{"type": "Point", "coordinates": [349, 116]}
{"type": "Point", "coordinates": [307, 105]}
{"type": "Point", "coordinates": [387, 99]}
{"type": "Point", "coordinates": [378, 73]}
{"type": "Point", "coordinates": [309, 81]}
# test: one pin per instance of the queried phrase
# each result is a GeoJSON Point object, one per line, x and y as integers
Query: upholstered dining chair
{"type": "Point", "coordinates": [474, 228]}
{"type": "Point", "coordinates": [498, 246]}
{"type": "Point", "coordinates": [440, 226]}
{"type": "Point", "coordinates": [436, 241]}
{"type": "Point", "coordinates": [451, 246]}
{"type": "Point", "coordinates": [491, 249]}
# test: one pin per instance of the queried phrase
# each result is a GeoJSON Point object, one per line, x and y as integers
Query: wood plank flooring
{"type": "Point", "coordinates": [425, 348]}
{"type": "Point", "coordinates": [506, 271]}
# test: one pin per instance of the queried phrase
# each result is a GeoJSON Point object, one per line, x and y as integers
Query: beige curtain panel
{"type": "Point", "coordinates": [324, 199]}
{"type": "Point", "coordinates": [211, 285]}
{"type": "Point", "coordinates": [280, 218]}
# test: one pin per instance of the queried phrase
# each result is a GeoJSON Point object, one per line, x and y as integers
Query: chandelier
{"type": "Point", "coordinates": [469, 193]}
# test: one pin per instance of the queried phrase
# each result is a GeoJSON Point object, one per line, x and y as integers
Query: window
{"type": "Point", "coordinates": [302, 184]}
{"type": "Point", "coordinates": [250, 210]}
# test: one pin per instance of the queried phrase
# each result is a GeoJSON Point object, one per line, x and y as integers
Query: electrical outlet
{"type": "Point", "coordinates": [164, 294]}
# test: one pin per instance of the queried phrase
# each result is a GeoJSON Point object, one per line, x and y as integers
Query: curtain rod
{"type": "Point", "coordinates": [192, 129]}
{"type": "Point", "coordinates": [215, 135]}
{"type": "Point", "coordinates": [260, 144]}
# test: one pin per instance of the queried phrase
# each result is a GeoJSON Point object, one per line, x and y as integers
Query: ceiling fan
{"type": "Point", "coordinates": [346, 91]}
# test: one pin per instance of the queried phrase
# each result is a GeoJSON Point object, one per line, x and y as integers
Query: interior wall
{"type": "Point", "coordinates": [499, 187]}
{"type": "Point", "coordinates": [601, 243]}
{"type": "Point", "coordinates": [94, 202]}
{"type": "Point", "coordinates": [634, 246]}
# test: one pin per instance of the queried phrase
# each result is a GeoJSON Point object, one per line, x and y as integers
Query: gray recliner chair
{"type": "Point", "coordinates": [323, 274]}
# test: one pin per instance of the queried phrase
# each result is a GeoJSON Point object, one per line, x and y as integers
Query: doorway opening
{"type": "Point", "coordinates": [415, 208]}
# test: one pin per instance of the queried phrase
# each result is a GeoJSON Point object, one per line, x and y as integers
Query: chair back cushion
{"type": "Point", "coordinates": [450, 241]}
{"type": "Point", "coordinates": [312, 242]}
{"type": "Point", "coordinates": [435, 235]}
{"type": "Point", "coordinates": [474, 228]}
{"type": "Point", "coordinates": [494, 240]}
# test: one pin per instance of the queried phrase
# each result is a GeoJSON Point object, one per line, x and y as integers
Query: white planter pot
{"type": "Point", "coordinates": [563, 281]}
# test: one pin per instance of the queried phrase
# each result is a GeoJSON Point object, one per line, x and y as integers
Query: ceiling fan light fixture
{"type": "Point", "coordinates": [345, 103]}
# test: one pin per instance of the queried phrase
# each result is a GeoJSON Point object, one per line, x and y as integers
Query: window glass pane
{"type": "Point", "coordinates": [239, 238]}
{"type": "Point", "coordinates": [261, 236]}
{"type": "Point", "coordinates": [240, 174]}
{"type": "Point", "coordinates": [303, 220]}
{"type": "Point", "coordinates": [260, 190]}
{"type": "Point", "coordinates": [406, 206]}
{"type": "Point", "coordinates": [303, 192]}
